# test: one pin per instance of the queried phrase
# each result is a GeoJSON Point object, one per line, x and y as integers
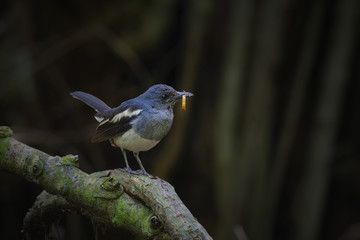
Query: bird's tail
{"type": "Point", "coordinates": [91, 100]}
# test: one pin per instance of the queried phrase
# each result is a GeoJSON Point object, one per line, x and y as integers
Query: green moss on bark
{"type": "Point", "coordinates": [5, 132]}
{"type": "Point", "coordinates": [148, 207]}
{"type": "Point", "coordinates": [4, 145]}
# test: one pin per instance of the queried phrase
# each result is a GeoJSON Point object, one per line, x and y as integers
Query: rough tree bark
{"type": "Point", "coordinates": [146, 206]}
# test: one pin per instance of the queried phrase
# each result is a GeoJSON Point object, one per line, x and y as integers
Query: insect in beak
{"type": "Point", "coordinates": [183, 105]}
{"type": "Point", "coordinates": [183, 95]}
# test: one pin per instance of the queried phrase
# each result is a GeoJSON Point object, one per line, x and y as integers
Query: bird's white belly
{"type": "Point", "coordinates": [133, 142]}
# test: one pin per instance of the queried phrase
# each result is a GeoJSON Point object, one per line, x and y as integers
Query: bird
{"type": "Point", "coordinates": [137, 124]}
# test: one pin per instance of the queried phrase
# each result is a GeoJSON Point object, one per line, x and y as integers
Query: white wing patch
{"type": "Point", "coordinates": [105, 121]}
{"type": "Point", "coordinates": [126, 113]}
{"type": "Point", "coordinates": [119, 116]}
{"type": "Point", "coordinates": [99, 119]}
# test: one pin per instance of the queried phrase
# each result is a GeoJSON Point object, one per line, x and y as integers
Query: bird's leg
{"type": "Point", "coordinates": [128, 169]}
{"type": "Point", "coordinates": [136, 155]}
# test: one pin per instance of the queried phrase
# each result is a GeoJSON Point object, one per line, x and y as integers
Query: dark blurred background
{"type": "Point", "coordinates": [269, 145]}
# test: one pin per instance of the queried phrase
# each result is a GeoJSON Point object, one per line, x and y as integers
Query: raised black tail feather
{"type": "Point", "coordinates": [91, 100]}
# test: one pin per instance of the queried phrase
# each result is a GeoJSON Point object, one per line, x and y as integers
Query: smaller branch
{"type": "Point", "coordinates": [46, 209]}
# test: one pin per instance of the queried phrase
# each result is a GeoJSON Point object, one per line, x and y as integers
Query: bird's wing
{"type": "Point", "coordinates": [115, 122]}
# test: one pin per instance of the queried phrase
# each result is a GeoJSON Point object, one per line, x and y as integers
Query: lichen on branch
{"type": "Point", "coordinates": [149, 207]}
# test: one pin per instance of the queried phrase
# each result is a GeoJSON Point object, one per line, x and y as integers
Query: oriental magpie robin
{"type": "Point", "coordinates": [137, 124]}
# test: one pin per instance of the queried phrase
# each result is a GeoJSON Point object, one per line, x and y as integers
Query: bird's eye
{"type": "Point", "coordinates": [164, 96]}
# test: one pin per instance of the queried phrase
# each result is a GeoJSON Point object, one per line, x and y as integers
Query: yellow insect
{"type": "Point", "coordinates": [183, 106]}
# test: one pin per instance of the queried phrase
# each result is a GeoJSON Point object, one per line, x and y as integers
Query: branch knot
{"type": "Point", "coordinates": [5, 132]}
{"type": "Point", "coordinates": [112, 185]}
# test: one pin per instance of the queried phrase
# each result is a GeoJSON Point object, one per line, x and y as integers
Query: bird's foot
{"type": "Point", "coordinates": [138, 172]}
{"type": "Point", "coordinates": [129, 170]}
{"type": "Point", "coordinates": [142, 172]}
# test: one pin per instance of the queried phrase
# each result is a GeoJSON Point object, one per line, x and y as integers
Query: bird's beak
{"type": "Point", "coordinates": [180, 94]}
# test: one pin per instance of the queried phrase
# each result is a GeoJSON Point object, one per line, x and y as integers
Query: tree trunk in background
{"type": "Point", "coordinates": [227, 113]}
{"type": "Point", "coordinates": [196, 25]}
{"type": "Point", "coordinates": [15, 66]}
{"type": "Point", "coordinates": [257, 130]}
{"type": "Point", "coordinates": [292, 114]}
{"type": "Point", "coordinates": [309, 203]}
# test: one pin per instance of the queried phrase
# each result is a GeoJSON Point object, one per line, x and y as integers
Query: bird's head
{"type": "Point", "coordinates": [162, 96]}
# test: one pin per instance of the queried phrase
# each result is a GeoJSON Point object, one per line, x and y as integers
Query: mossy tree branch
{"type": "Point", "coordinates": [146, 206]}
